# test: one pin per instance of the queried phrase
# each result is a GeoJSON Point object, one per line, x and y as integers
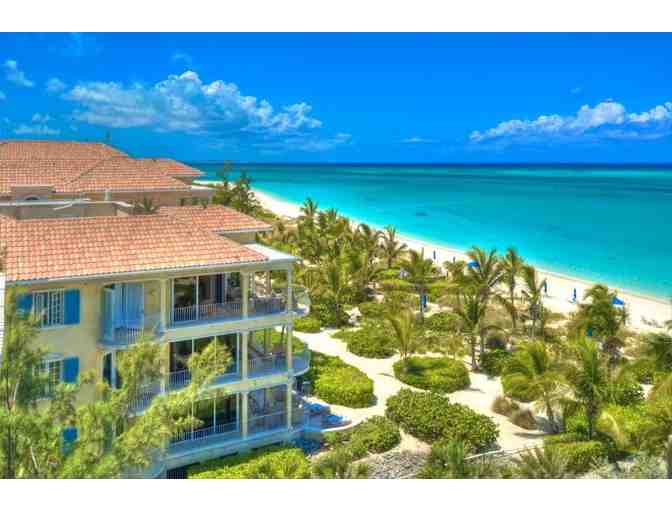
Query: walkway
{"type": "Point", "coordinates": [479, 396]}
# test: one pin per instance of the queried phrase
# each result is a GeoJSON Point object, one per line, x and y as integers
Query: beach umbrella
{"type": "Point", "coordinates": [617, 301]}
{"type": "Point", "coordinates": [473, 263]}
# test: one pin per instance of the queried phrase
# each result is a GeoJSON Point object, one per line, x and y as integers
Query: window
{"type": "Point", "coordinates": [53, 372]}
{"type": "Point", "coordinates": [50, 307]}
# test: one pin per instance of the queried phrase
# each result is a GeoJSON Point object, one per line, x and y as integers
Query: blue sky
{"type": "Point", "coordinates": [346, 97]}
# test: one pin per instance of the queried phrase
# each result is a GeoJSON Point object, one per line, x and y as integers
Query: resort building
{"type": "Point", "coordinates": [46, 170]}
{"type": "Point", "coordinates": [99, 277]}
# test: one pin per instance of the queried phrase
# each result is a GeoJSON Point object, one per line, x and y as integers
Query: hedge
{"type": "Point", "coordinates": [308, 324]}
{"type": "Point", "coordinates": [442, 375]}
{"type": "Point", "coordinates": [431, 417]}
{"type": "Point", "coordinates": [445, 322]}
{"type": "Point", "coordinates": [582, 456]}
{"type": "Point", "coordinates": [338, 383]}
{"type": "Point", "coordinates": [495, 361]}
{"type": "Point", "coordinates": [325, 311]}
{"type": "Point", "coordinates": [520, 394]}
{"type": "Point", "coordinates": [272, 462]}
{"type": "Point", "coordinates": [374, 435]}
{"type": "Point", "coordinates": [372, 310]}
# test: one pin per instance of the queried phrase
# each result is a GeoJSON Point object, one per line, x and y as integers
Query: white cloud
{"type": "Point", "coordinates": [180, 56]}
{"type": "Point", "coordinates": [2, 96]}
{"type": "Point", "coordinates": [54, 85]}
{"type": "Point", "coordinates": [184, 103]}
{"type": "Point", "coordinates": [418, 139]}
{"type": "Point", "coordinates": [607, 119]}
{"type": "Point", "coordinates": [15, 75]}
{"type": "Point", "coordinates": [38, 126]}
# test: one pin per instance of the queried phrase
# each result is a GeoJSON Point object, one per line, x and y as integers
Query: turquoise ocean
{"type": "Point", "coordinates": [606, 223]}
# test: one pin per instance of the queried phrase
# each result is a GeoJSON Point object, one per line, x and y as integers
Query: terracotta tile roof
{"type": "Point", "coordinates": [42, 149]}
{"type": "Point", "coordinates": [123, 174]}
{"type": "Point", "coordinates": [107, 245]}
{"type": "Point", "coordinates": [216, 218]}
{"type": "Point", "coordinates": [174, 168]}
{"type": "Point", "coordinates": [48, 172]}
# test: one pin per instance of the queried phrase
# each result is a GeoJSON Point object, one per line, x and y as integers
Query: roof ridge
{"type": "Point", "coordinates": [88, 170]}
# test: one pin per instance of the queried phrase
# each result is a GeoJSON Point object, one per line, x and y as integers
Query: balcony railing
{"type": "Point", "coordinates": [199, 438]}
{"type": "Point", "coordinates": [298, 417]}
{"type": "Point", "coordinates": [180, 379]}
{"type": "Point", "coordinates": [269, 364]}
{"type": "Point", "coordinates": [301, 361]}
{"type": "Point", "coordinates": [121, 332]}
{"type": "Point", "coordinates": [145, 396]}
{"type": "Point", "coordinates": [267, 423]}
{"type": "Point", "coordinates": [208, 312]}
{"type": "Point", "coordinates": [266, 305]}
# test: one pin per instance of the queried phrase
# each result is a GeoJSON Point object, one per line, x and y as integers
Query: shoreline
{"type": "Point", "coordinates": [560, 286]}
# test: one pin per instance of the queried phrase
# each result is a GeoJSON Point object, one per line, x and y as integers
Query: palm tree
{"type": "Point", "coordinates": [339, 464]}
{"type": "Point", "coordinates": [308, 212]}
{"type": "Point", "coordinates": [541, 463]}
{"type": "Point", "coordinates": [588, 378]}
{"type": "Point", "coordinates": [511, 266]}
{"type": "Point", "coordinates": [484, 271]}
{"type": "Point", "coordinates": [403, 324]}
{"type": "Point", "coordinates": [449, 460]}
{"type": "Point", "coordinates": [658, 347]}
{"type": "Point", "coordinates": [420, 272]}
{"type": "Point", "coordinates": [334, 281]}
{"type": "Point", "coordinates": [367, 238]}
{"type": "Point", "coordinates": [599, 314]}
{"type": "Point", "coordinates": [471, 311]}
{"type": "Point", "coordinates": [364, 270]}
{"type": "Point", "coordinates": [145, 206]}
{"type": "Point", "coordinates": [533, 368]}
{"type": "Point", "coordinates": [533, 294]}
{"type": "Point", "coordinates": [391, 249]}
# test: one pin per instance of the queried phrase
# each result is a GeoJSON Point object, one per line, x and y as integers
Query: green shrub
{"type": "Point", "coordinates": [643, 370]}
{"type": "Point", "coordinates": [520, 394]}
{"type": "Point", "coordinates": [397, 299]}
{"type": "Point", "coordinates": [372, 340]}
{"type": "Point", "coordinates": [272, 462]}
{"type": "Point", "coordinates": [442, 375]}
{"type": "Point", "coordinates": [390, 284]}
{"type": "Point", "coordinates": [495, 361]}
{"type": "Point", "coordinates": [374, 435]}
{"type": "Point", "coordinates": [565, 437]}
{"type": "Point", "coordinates": [626, 392]}
{"type": "Point", "coordinates": [324, 310]}
{"type": "Point", "coordinates": [496, 340]}
{"type": "Point", "coordinates": [504, 406]}
{"type": "Point", "coordinates": [308, 324]}
{"type": "Point", "coordinates": [582, 456]}
{"type": "Point", "coordinates": [524, 419]}
{"type": "Point", "coordinates": [438, 289]}
{"type": "Point", "coordinates": [633, 422]}
{"type": "Point", "coordinates": [388, 274]}
{"type": "Point", "coordinates": [445, 322]}
{"type": "Point", "coordinates": [338, 383]}
{"type": "Point", "coordinates": [431, 417]}
{"type": "Point", "coordinates": [372, 310]}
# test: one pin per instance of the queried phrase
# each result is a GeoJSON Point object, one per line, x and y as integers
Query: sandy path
{"type": "Point", "coordinates": [478, 397]}
{"type": "Point", "coordinates": [560, 287]}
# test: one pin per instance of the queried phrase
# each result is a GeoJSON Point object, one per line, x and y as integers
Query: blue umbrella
{"type": "Point", "coordinates": [473, 263]}
{"type": "Point", "coordinates": [617, 301]}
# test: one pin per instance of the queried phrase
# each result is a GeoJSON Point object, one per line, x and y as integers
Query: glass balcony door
{"type": "Point", "coordinates": [206, 297]}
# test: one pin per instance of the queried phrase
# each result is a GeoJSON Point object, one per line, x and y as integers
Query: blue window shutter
{"type": "Point", "coordinates": [70, 370]}
{"type": "Point", "coordinates": [72, 306]}
{"type": "Point", "coordinates": [69, 437]}
{"type": "Point", "coordinates": [24, 303]}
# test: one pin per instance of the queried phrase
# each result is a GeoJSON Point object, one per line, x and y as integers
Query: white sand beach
{"type": "Point", "coordinates": [643, 309]}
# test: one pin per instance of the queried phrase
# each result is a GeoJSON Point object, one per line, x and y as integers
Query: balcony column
{"type": "Point", "coordinates": [243, 414]}
{"type": "Point", "coordinates": [244, 335]}
{"type": "Point", "coordinates": [289, 403]}
{"type": "Point", "coordinates": [290, 353]}
{"type": "Point", "coordinates": [163, 296]}
{"type": "Point", "coordinates": [289, 290]}
{"type": "Point", "coordinates": [245, 292]}
{"type": "Point", "coordinates": [268, 284]}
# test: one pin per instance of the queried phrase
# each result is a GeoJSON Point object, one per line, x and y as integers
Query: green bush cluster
{"type": "Point", "coordinates": [372, 310]}
{"type": "Point", "coordinates": [374, 435]}
{"type": "Point", "coordinates": [336, 382]}
{"type": "Point", "coordinates": [442, 375]}
{"type": "Point", "coordinates": [391, 284]}
{"type": "Point", "coordinates": [272, 462]}
{"type": "Point", "coordinates": [520, 394]}
{"type": "Point", "coordinates": [504, 406]}
{"type": "Point", "coordinates": [438, 289]}
{"type": "Point", "coordinates": [372, 340]}
{"type": "Point", "coordinates": [445, 322]}
{"type": "Point", "coordinates": [308, 324]}
{"type": "Point", "coordinates": [494, 362]}
{"type": "Point", "coordinates": [582, 456]}
{"type": "Point", "coordinates": [324, 310]}
{"type": "Point", "coordinates": [643, 370]}
{"type": "Point", "coordinates": [431, 417]}
{"type": "Point", "coordinates": [626, 392]}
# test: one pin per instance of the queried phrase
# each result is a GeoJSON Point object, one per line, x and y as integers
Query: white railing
{"type": "Point", "coordinates": [199, 437]}
{"type": "Point", "coordinates": [178, 380]}
{"type": "Point", "coordinates": [209, 311]}
{"type": "Point", "coordinates": [267, 423]}
{"type": "Point", "coordinates": [124, 332]}
{"type": "Point", "coordinates": [145, 396]}
{"type": "Point", "coordinates": [266, 305]}
{"type": "Point", "coordinates": [269, 364]}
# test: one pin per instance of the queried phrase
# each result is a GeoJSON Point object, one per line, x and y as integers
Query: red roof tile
{"type": "Point", "coordinates": [216, 218]}
{"type": "Point", "coordinates": [107, 245]}
{"type": "Point", "coordinates": [174, 168]}
{"type": "Point", "coordinates": [42, 149]}
{"type": "Point", "coordinates": [48, 172]}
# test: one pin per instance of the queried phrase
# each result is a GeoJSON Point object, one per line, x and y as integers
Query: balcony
{"type": "Point", "coordinates": [301, 361]}
{"type": "Point", "coordinates": [259, 366]}
{"type": "Point", "coordinates": [178, 380]}
{"type": "Point", "coordinates": [267, 423]}
{"type": "Point", "coordinates": [204, 438]}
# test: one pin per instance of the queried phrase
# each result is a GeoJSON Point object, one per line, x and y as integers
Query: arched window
{"type": "Point", "coordinates": [31, 198]}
